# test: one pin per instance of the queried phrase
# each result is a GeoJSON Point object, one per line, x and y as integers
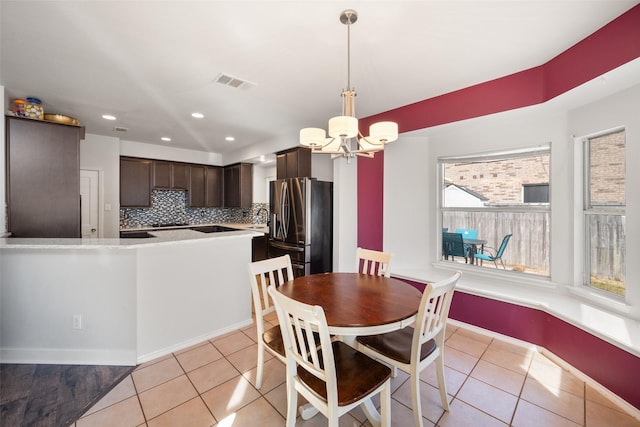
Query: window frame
{"type": "Point", "coordinates": [587, 209]}
{"type": "Point", "coordinates": [506, 154]}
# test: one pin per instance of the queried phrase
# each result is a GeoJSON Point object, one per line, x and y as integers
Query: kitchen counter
{"type": "Point", "coordinates": [262, 228]}
{"type": "Point", "coordinates": [121, 301]}
{"type": "Point", "coordinates": [172, 236]}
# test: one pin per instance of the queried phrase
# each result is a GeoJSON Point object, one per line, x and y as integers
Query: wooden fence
{"type": "Point", "coordinates": [528, 249]}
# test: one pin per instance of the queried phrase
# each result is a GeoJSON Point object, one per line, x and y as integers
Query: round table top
{"type": "Point", "coordinates": [354, 300]}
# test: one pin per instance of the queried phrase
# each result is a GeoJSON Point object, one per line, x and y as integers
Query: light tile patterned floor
{"type": "Point", "coordinates": [490, 383]}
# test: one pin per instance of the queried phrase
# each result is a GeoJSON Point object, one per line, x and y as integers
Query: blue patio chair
{"type": "Point", "coordinates": [468, 233]}
{"type": "Point", "coordinates": [452, 246]}
{"type": "Point", "coordinates": [497, 255]}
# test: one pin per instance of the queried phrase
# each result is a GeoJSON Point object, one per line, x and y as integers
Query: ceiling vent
{"type": "Point", "coordinates": [234, 82]}
{"type": "Point", "coordinates": [120, 129]}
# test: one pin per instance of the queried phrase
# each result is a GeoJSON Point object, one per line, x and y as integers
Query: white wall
{"type": "Point", "coordinates": [161, 152]}
{"type": "Point", "coordinates": [620, 110]}
{"type": "Point", "coordinates": [411, 226]}
{"type": "Point", "coordinates": [42, 289]}
{"type": "Point", "coordinates": [322, 167]}
{"type": "Point", "coordinates": [345, 214]}
{"type": "Point", "coordinates": [102, 153]}
{"type": "Point", "coordinates": [409, 181]}
{"type": "Point", "coordinates": [261, 175]}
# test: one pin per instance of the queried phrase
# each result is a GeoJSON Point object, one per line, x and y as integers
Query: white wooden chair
{"type": "Point", "coordinates": [414, 348]}
{"type": "Point", "coordinates": [373, 262]}
{"type": "Point", "coordinates": [331, 375]}
{"type": "Point", "coordinates": [272, 271]}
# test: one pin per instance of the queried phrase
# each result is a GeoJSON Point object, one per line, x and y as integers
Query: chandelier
{"type": "Point", "coordinates": [345, 139]}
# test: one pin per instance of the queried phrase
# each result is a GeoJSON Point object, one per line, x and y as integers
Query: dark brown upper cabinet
{"type": "Point", "coordinates": [294, 163]}
{"type": "Point", "coordinates": [205, 186]}
{"type": "Point", "coordinates": [238, 185]}
{"type": "Point", "coordinates": [214, 188]}
{"type": "Point", "coordinates": [135, 182]}
{"type": "Point", "coordinates": [42, 178]}
{"type": "Point", "coordinates": [170, 175]}
{"type": "Point", "coordinates": [197, 183]}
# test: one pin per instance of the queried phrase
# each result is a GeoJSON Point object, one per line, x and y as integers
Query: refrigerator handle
{"type": "Point", "coordinates": [284, 209]}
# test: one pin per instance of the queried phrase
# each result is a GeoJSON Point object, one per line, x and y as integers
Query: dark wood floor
{"type": "Point", "coordinates": [53, 395]}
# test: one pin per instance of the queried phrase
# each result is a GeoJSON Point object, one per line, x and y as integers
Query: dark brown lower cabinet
{"type": "Point", "coordinates": [43, 178]}
{"type": "Point", "coordinates": [259, 248]}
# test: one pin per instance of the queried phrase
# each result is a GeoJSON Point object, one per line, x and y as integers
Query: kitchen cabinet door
{"type": "Point", "coordinates": [197, 182]}
{"type": "Point", "coordinates": [294, 163]}
{"type": "Point", "coordinates": [238, 186]}
{"type": "Point", "coordinates": [180, 176]}
{"type": "Point", "coordinates": [170, 175]}
{"type": "Point", "coordinates": [161, 174]}
{"type": "Point", "coordinates": [214, 188]}
{"type": "Point", "coordinates": [43, 178]}
{"type": "Point", "coordinates": [135, 182]}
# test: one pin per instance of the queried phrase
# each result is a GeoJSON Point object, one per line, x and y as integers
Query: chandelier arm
{"type": "Point", "coordinates": [368, 154]}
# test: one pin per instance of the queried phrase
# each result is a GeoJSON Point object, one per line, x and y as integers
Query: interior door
{"type": "Point", "coordinates": [89, 200]}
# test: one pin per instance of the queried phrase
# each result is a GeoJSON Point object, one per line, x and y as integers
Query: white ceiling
{"type": "Point", "coordinates": [152, 63]}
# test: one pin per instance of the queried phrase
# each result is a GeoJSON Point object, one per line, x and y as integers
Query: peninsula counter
{"type": "Point", "coordinates": [120, 301]}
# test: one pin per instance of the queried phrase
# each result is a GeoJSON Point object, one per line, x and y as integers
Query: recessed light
{"type": "Point", "coordinates": [197, 115]}
{"type": "Point", "coordinates": [108, 117]}
{"type": "Point", "coordinates": [166, 138]}
{"type": "Point", "coordinates": [229, 138]}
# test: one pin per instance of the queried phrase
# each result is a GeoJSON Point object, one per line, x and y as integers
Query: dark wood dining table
{"type": "Point", "coordinates": [356, 304]}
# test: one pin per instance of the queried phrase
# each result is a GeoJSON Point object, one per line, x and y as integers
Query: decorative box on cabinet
{"type": "Point", "coordinates": [238, 185]}
{"type": "Point", "coordinates": [135, 182]}
{"type": "Point", "coordinates": [294, 163]}
{"type": "Point", "coordinates": [42, 178]}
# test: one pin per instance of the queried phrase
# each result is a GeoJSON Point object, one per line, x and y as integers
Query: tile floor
{"type": "Point", "coordinates": [490, 383]}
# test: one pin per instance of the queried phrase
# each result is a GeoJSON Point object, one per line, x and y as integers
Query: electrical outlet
{"type": "Point", "coordinates": [77, 321]}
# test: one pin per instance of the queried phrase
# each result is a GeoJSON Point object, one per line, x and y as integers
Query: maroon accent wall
{"type": "Point", "coordinates": [611, 46]}
{"type": "Point", "coordinates": [610, 366]}
{"type": "Point", "coordinates": [370, 207]}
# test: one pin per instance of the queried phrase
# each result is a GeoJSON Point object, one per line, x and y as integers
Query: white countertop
{"type": "Point", "coordinates": [240, 226]}
{"type": "Point", "coordinates": [161, 237]}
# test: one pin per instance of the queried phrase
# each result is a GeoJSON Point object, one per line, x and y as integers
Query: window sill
{"type": "Point", "coordinates": [610, 322]}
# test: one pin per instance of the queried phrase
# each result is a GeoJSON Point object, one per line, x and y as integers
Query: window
{"type": "Point", "coordinates": [535, 193]}
{"type": "Point", "coordinates": [494, 195]}
{"type": "Point", "coordinates": [604, 212]}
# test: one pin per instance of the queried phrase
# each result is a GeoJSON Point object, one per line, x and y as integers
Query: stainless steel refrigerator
{"type": "Point", "coordinates": [301, 223]}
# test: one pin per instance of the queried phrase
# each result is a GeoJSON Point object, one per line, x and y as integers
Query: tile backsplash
{"type": "Point", "coordinates": [170, 206]}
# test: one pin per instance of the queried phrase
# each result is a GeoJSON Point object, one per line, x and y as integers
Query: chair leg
{"type": "Point", "coordinates": [442, 385]}
{"type": "Point", "coordinates": [385, 405]}
{"type": "Point", "coordinates": [292, 403]}
{"type": "Point", "coordinates": [260, 364]}
{"type": "Point", "coordinates": [414, 378]}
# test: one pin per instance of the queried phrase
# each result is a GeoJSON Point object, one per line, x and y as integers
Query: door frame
{"type": "Point", "coordinates": [100, 197]}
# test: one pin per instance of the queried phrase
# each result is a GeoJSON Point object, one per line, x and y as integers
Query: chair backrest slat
{"type": "Point", "coordinates": [262, 274]}
{"type": "Point", "coordinates": [298, 322]}
{"type": "Point", "coordinates": [503, 245]}
{"type": "Point", "coordinates": [433, 312]}
{"type": "Point", "coordinates": [452, 244]}
{"type": "Point", "coordinates": [373, 262]}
